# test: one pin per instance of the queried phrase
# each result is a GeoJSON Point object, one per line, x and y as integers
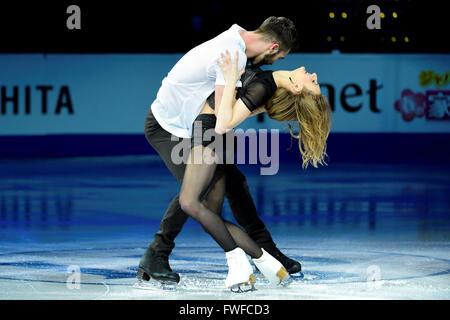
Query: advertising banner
{"type": "Point", "coordinates": [111, 93]}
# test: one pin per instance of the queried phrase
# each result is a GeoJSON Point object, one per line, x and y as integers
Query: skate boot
{"type": "Point", "coordinates": [155, 266]}
{"type": "Point", "coordinates": [240, 276]}
{"type": "Point", "coordinates": [263, 238]}
{"type": "Point", "coordinates": [272, 270]}
{"type": "Point", "coordinates": [289, 264]}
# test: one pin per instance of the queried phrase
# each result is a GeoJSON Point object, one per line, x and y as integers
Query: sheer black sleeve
{"type": "Point", "coordinates": [258, 92]}
{"type": "Point", "coordinates": [250, 74]}
{"type": "Point", "coordinates": [256, 95]}
{"type": "Point", "coordinates": [257, 88]}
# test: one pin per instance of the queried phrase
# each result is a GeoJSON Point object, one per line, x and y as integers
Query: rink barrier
{"type": "Point", "coordinates": [342, 147]}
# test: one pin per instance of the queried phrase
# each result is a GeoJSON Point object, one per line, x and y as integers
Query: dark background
{"type": "Point", "coordinates": [168, 26]}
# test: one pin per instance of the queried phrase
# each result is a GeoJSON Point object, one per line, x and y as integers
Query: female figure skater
{"type": "Point", "coordinates": [285, 96]}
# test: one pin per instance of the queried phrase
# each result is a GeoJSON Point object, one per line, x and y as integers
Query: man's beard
{"type": "Point", "coordinates": [257, 65]}
{"type": "Point", "coordinates": [264, 61]}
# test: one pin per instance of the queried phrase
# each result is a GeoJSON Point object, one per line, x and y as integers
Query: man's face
{"type": "Point", "coordinates": [269, 57]}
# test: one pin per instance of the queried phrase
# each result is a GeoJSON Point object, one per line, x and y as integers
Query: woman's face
{"type": "Point", "coordinates": [300, 78]}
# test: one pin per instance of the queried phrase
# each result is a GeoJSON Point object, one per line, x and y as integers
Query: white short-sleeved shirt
{"type": "Point", "coordinates": [183, 92]}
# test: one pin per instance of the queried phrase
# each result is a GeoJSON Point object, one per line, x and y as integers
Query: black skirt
{"type": "Point", "coordinates": [203, 133]}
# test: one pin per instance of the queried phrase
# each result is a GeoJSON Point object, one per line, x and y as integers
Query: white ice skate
{"type": "Point", "coordinates": [272, 270]}
{"type": "Point", "coordinates": [240, 272]}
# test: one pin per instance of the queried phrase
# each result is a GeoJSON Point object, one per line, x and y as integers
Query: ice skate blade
{"type": "Point", "coordinates": [284, 277]}
{"type": "Point", "coordinates": [298, 276]}
{"type": "Point", "coordinates": [286, 281]}
{"type": "Point", "coordinates": [153, 284]}
{"type": "Point", "coordinates": [244, 286]}
{"type": "Point", "coordinates": [142, 275]}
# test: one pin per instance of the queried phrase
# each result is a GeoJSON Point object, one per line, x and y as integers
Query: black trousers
{"type": "Point", "coordinates": [236, 192]}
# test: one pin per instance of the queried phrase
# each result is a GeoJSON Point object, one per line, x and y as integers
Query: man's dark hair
{"type": "Point", "coordinates": [280, 30]}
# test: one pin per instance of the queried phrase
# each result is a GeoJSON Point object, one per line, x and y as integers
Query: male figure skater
{"type": "Point", "coordinates": [179, 100]}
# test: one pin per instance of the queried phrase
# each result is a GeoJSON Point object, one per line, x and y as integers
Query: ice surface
{"type": "Point", "coordinates": [360, 231]}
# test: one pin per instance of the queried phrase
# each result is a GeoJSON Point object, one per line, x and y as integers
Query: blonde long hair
{"type": "Point", "coordinates": [313, 113]}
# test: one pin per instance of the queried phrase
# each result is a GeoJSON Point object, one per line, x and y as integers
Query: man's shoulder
{"type": "Point", "coordinates": [232, 36]}
{"type": "Point", "coordinates": [236, 27]}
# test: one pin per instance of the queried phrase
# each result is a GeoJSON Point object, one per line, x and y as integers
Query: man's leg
{"type": "Point", "coordinates": [155, 261]}
{"type": "Point", "coordinates": [244, 211]}
{"type": "Point", "coordinates": [174, 218]}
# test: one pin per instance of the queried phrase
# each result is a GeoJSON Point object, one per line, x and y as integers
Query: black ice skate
{"type": "Point", "coordinates": [291, 265]}
{"type": "Point", "coordinates": [155, 272]}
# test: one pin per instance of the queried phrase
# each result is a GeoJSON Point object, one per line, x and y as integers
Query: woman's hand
{"type": "Point", "coordinates": [226, 110]}
{"type": "Point", "coordinates": [230, 67]}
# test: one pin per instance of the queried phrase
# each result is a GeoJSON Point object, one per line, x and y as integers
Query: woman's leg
{"type": "Point", "coordinates": [243, 241]}
{"type": "Point", "coordinates": [234, 241]}
{"type": "Point", "coordinates": [197, 178]}
{"type": "Point", "coordinates": [214, 201]}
